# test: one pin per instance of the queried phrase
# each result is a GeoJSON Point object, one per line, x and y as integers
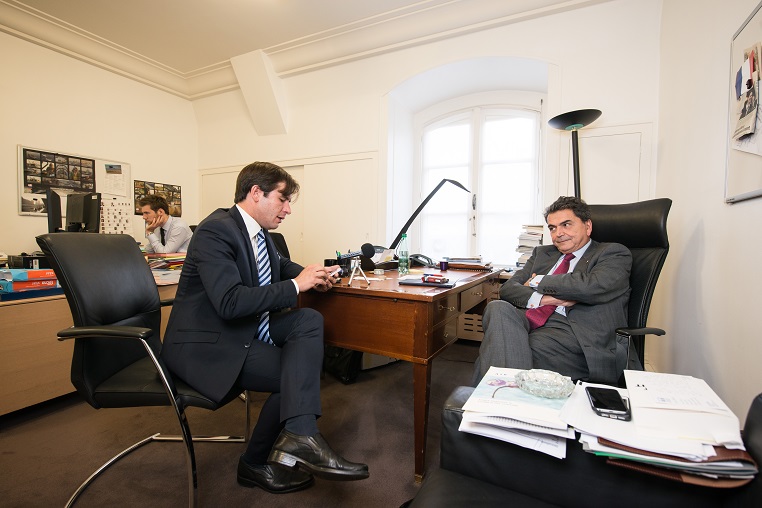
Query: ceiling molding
{"type": "Point", "coordinates": [373, 36]}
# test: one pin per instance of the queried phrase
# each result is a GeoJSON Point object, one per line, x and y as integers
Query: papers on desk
{"type": "Point", "coordinates": [166, 277]}
{"type": "Point", "coordinates": [680, 429]}
{"type": "Point", "coordinates": [499, 409]}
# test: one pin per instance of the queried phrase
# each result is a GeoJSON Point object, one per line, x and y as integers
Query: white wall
{"type": "Point", "coordinates": [339, 110]}
{"type": "Point", "coordinates": [56, 103]}
{"type": "Point", "coordinates": [707, 296]}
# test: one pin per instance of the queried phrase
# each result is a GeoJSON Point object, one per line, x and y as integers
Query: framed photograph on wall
{"type": "Point", "coordinates": [40, 170]}
{"type": "Point", "coordinates": [170, 192]}
{"type": "Point", "coordinates": [743, 173]}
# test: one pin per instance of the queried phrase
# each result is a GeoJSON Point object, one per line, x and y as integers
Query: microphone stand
{"type": "Point", "coordinates": [355, 268]}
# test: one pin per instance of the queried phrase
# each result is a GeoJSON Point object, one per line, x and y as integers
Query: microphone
{"type": "Point", "coordinates": [366, 250]}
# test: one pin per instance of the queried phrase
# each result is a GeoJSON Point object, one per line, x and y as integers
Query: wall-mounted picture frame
{"type": "Point", "coordinates": [743, 172]}
{"type": "Point", "coordinates": [170, 192]}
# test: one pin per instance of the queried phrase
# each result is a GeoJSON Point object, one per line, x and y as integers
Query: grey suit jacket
{"type": "Point", "coordinates": [600, 284]}
{"type": "Point", "coordinates": [219, 301]}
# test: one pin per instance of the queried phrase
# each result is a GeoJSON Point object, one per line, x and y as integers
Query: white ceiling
{"type": "Point", "coordinates": [185, 46]}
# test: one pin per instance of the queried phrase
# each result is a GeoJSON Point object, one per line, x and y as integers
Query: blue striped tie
{"type": "Point", "coordinates": [264, 272]}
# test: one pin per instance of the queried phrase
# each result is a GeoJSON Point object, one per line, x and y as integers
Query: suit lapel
{"type": "Point", "coordinates": [582, 264]}
{"type": "Point", "coordinates": [246, 244]}
{"type": "Point", "coordinates": [272, 253]}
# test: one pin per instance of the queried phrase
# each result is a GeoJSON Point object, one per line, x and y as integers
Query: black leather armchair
{"type": "Point", "coordinates": [642, 228]}
{"type": "Point", "coordinates": [480, 472]}
{"type": "Point", "coordinates": [116, 312]}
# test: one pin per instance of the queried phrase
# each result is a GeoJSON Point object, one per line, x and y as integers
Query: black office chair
{"type": "Point", "coordinates": [116, 312]}
{"type": "Point", "coordinates": [280, 244]}
{"type": "Point", "coordinates": [642, 228]}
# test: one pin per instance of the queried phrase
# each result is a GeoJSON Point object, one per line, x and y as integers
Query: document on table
{"type": "Point", "coordinates": [578, 413]}
{"type": "Point", "coordinates": [554, 446]}
{"type": "Point", "coordinates": [681, 407]}
{"type": "Point", "coordinates": [498, 394]}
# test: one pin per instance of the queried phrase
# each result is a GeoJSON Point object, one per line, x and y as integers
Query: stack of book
{"type": "Point", "coordinates": [19, 283]}
{"type": "Point", "coordinates": [529, 238]}
{"type": "Point", "coordinates": [680, 430]}
{"type": "Point", "coordinates": [499, 409]}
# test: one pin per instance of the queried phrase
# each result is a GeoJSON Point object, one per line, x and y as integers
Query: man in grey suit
{"type": "Point", "coordinates": [232, 328]}
{"type": "Point", "coordinates": [583, 302]}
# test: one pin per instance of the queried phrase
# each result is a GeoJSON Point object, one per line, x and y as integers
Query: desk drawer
{"type": "Point", "coordinates": [470, 297]}
{"type": "Point", "coordinates": [444, 334]}
{"type": "Point", "coordinates": [445, 309]}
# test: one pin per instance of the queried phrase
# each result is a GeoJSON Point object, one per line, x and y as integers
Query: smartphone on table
{"type": "Point", "coordinates": [607, 402]}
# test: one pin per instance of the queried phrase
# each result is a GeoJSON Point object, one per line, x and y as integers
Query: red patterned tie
{"type": "Point", "coordinates": [539, 315]}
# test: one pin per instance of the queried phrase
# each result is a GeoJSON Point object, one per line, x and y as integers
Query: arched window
{"type": "Point", "coordinates": [493, 150]}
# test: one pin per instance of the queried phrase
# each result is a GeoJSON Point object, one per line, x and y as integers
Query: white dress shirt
{"type": "Point", "coordinates": [177, 237]}
{"type": "Point", "coordinates": [253, 228]}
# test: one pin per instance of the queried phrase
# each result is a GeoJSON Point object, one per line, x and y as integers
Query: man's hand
{"type": "Point", "coordinates": [556, 302]}
{"type": "Point", "coordinates": [157, 222]}
{"type": "Point", "coordinates": [317, 277]}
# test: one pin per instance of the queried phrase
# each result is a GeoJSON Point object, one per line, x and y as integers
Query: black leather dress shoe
{"type": "Point", "coordinates": [316, 456]}
{"type": "Point", "coordinates": [273, 479]}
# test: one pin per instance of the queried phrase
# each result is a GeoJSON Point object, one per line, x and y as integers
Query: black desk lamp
{"type": "Point", "coordinates": [573, 121]}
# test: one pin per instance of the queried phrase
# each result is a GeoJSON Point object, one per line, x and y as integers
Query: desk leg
{"type": "Point", "coordinates": [421, 389]}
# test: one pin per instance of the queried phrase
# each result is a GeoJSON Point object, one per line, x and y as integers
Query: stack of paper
{"type": "Point", "coordinates": [171, 261]}
{"type": "Point", "coordinates": [499, 409]}
{"type": "Point", "coordinates": [679, 429]}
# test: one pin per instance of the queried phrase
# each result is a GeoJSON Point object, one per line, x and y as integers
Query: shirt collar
{"type": "Point", "coordinates": [167, 224]}
{"type": "Point", "coordinates": [252, 227]}
{"type": "Point", "coordinates": [580, 252]}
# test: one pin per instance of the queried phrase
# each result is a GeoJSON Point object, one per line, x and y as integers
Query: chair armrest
{"type": "Point", "coordinates": [115, 332]}
{"type": "Point", "coordinates": [166, 302]}
{"type": "Point", "coordinates": [639, 331]}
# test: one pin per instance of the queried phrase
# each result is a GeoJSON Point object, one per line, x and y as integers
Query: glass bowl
{"type": "Point", "coordinates": [545, 383]}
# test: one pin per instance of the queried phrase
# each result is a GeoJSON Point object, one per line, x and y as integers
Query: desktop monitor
{"type": "Point", "coordinates": [53, 205]}
{"type": "Point", "coordinates": [83, 210]}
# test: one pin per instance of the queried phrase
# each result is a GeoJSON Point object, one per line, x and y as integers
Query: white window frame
{"type": "Point", "coordinates": [447, 112]}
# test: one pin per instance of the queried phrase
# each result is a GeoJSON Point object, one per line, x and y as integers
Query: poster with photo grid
{"type": "Point", "coordinates": [170, 192]}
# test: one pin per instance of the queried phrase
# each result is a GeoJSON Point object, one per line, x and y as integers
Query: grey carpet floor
{"type": "Point", "coordinates": [46, 451]}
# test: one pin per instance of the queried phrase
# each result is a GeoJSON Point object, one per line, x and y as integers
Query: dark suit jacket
{"type": "Point", "coordinates": [219, 301]}
{"type": "Point", "coordinates": [600, 284]}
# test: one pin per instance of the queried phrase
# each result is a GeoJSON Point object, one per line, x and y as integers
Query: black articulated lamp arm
{"type": "Point", "coordinates": [420, 207]}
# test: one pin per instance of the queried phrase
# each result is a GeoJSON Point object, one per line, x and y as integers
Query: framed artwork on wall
{"type": "Point", "coordinates": [170, 192]}
{"type": "Point", "coordinates": [743, 176]}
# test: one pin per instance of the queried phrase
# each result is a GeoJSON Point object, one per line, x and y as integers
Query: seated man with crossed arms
{"type": "Point", "coordinates": [560, 310]}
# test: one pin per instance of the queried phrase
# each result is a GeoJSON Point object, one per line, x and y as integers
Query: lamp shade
{"type": "Point", "coordinates": [574, 120]}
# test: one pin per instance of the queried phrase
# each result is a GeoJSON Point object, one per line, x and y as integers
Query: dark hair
{"type": "Point", "coordinates": [267, 176]}
{"type": "Point", "coordinates": [155, 201]}
{"type": "Point", "coordinates": [576, 205]}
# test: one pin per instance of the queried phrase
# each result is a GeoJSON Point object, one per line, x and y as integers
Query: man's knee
{"type": "Point", "coordinates": [308, 319]}
{"type": "Point", "coordinates": [501, 310]}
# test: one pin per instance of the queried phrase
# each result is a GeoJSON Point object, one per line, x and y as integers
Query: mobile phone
{"type": "Point", "coordinates": [607, 402]}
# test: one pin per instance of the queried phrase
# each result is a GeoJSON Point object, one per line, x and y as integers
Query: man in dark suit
{"type": "Point", "coordinates": [231, 330]}
{"type": "Point", "coordinates": [583, 302]}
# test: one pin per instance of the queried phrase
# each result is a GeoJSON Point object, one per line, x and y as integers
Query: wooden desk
{"type": "Point", "coordinates": [412, 323]}
{"type": "Point", "coordinates": [34, 366]}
